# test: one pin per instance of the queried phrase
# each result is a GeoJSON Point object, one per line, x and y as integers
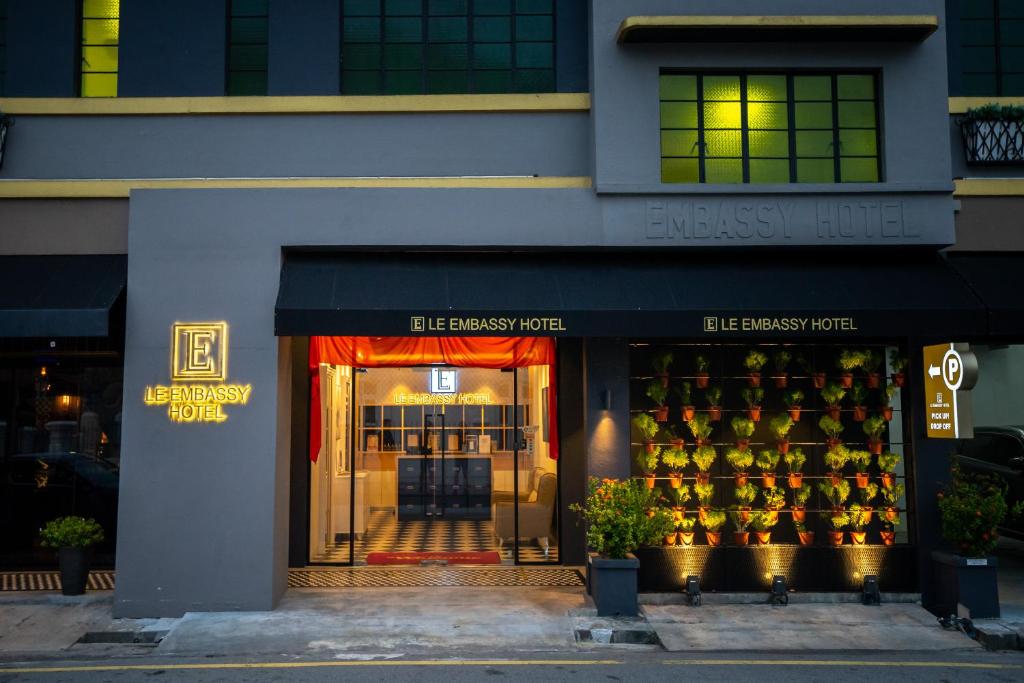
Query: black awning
{"type": "Point", "coordinates": [998, 280]}
{"type": "Point", "coordinates": [59, 296]}
{"type": "Point", "coordinates": [624, 294]}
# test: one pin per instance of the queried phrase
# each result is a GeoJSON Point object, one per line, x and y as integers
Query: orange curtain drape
{"type": "Point", "coordinates": [390, 352]}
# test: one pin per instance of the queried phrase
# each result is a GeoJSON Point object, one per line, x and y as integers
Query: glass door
{"type": "Point", "coordinates": [527, 435]}
{"type": "Point", "coordinates": [332, 525]}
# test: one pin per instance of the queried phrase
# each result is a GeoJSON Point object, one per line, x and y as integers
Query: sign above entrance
{"type": "Point", "coordinates": [449, 324]}
{"type": "Point", "coordinates": [423, 399]}
{"type": "Point", "coordinates": [199, 354]}
{"type": "Point", "coordinates": [811, 325]}
{"type": "Point", "coordinates": [443, 381]}
{"type": "Point", "coordinates": [950, 371]}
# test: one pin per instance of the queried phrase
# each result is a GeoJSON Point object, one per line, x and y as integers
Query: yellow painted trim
{"type": "Point", "coordinates": [341, 104]}
{"type": "Point", "coordinates": [309, 665]}
{"type": "Point", "coordinates": [925, 23]}
{"type": "Point", "coordinates": [989, 187]}
{"type": "Point", "coordinates": [80, 189]}
{"type": "Point", "coordinates": [960, 105]}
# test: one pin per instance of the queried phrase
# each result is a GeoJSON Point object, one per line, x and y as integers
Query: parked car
{"type": "Point", "coordinates": [998, 451]}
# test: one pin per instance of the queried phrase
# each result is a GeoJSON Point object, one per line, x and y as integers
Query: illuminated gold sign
{"type": "Point", "coordinates": [714, 323]}
{"type": "Point", "coordinates": [456, 323]}
{"type": "Point", "coordinates": [420, 399]}
{"type": "Point", "coordinates": [199, 353]}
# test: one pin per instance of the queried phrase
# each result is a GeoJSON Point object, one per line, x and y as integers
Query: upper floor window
{"type": "Point", "coordinates": [3, 46]}
{"type": "Point", "coordinates": [992, 47]}
{"type": "Point", "coordinates": [247, 47]}
{"type": "Point", "coordinates": [447, 46]}
{"type": "Point", "coordinates": [769, 128]}
{"type": "Point", "coordinates": [100, 35]}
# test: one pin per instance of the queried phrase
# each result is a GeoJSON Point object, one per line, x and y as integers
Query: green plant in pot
{"type": "Point", "coordinates": [676, 460]}
{"type": "Point", "coordinates": [836, 459]}
{"type": "Point", "coordinates": [795, 460]}
{"type": "Point", "coordinates": [684, 530]}
{"type": "Point", "coordinates": [73, 537]}
{"type": "Point", "coordinates": [647, 463]}
{"type": "Point", "coordinates": [740, 519]}
{"type": "Point", "coordinates": [774, 500]}
{"type": "Point", "coordinates": [647, 428]}
{"type": "Point", "coordinates": [753, 362]}
{"type": "Point", "coordinates": [837, 522]}
{"type": "Point", "coordinates": [860, 460]}
{"type": "Point", "coordinates": [991, 133]}
{"type": "Point", "coordinates": [767, 460]}
{"type": "Point", "coordinates": [685, 393]}
{"type": "Point", "coordinates": [780, 426]}
{"type": "Point", "coordinates": [874, 427]}
{"type": "Point", "coordinates": [780, 361]}
{"type": "Point", "coordinates": [704, 493]}
{"type": "Point", "coordinates": [661, 363]}
{"type": "Point", "coordinates": [745, 496]}
{"type": "Point", "coordinates": [833, 429]}
{"type": "Point", "coordinates": [800, 498]}
{"type": "Point", "coordinates": [743, 428]}
{"type": "Point", "coordinates": [753, 397]}
{"type": "Point", "coordinates": [890, 502]}
{"type": "Point", "coordinates": [793, 399]}
{"type": "Point", "coordinates": [868, 494]}
{"type": "Point", "coordinates": [899, 363]}
{"type": "Point", "coordinates": [871, 366]}
{"type": "Point", "coordinates": [762, 523]}
{"type": "Point", "coordinates": [971, 507]}
{"type": "Point", "coordinates": [713, 522]}
{"type": "Point", "coordinates": [836, 492]}
{"type": "Point", "coordinates": [704, 457]}
{"type": "Point", "coordinates": [887, 463]}
{"type": "Point", "coordinates": [885, 398]}
{"type": "Point", "coordinates": [714, 398]}
{"type": "Point", "coordinates": [677, 499]}
{"type": "Point", "coordinates": [859, 395]}
{"type": "Point", "coordinates": [833, 395]}
{"type": "Point", "coordinates": [700, 427]}
{"type": "Point", "coordinates": [740, 461]}
{"type": "Point", "coordinates": [805, 365]}
{"type": "Point", "coordinates": [702, 365]}
{"type": "Point", "coordinates": [658, 393]}
{"type": "Point", "coordinates": [888, 532]}
{"type": "Point", "coordinates": [848, 361]}
{"type": "Point", "coordinates": [805, 535]}
{"type": "Point", "coordinates": [860, 517]}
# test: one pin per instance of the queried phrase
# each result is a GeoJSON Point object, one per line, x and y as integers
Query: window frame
{"type": "Point", "coordinates": [230, 69]}
{"type": "Point", "coordinates": [80, 41]}
{"type": "Point", "coordinates": [998, 72]}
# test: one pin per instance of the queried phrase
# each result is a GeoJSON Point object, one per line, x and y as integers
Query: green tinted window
{"type": "Point", "coordinates": [247, 48]}
{"type": "Point", "coordinates": [447, 46]}
{"type": "Point", "coordinates": [101, 29]}
{"type": "Point", "coordinates": [769, 128]}
{"type": "Point", "coordinates": [991, 47]}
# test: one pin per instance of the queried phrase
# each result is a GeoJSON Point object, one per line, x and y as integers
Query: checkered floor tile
{"type": "Point", "coordinates": [384, 577]}
{"type": "Point", "coordinates": [386, 534]}
{"type": "Point", "coordinates": [50, 581]}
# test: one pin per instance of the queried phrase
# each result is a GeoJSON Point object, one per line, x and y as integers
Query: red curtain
{"type": "Point", "coordinates": [391, 352]}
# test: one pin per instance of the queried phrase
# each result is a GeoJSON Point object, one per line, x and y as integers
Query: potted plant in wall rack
{"type": "Point", "coordinates": [743, 428]}
{"type": "Point", "coordinates": [704, 457]}
{"type": "Point", "coordinates": [753, 362]}
{"type": "Point", "coordinates": [780, 363]}
{"type": "Point", "coordinates": [805, 535]}
{"type": "Point", "coordinates": [740, 461]}
{"type": "Point", "coordinates": [888, 532]}
{"type": "Point", "coordinates": [860, 460]}
{"type": "Point", "coordinates": [780, 426]}
{"type": "Point", "coordinates": [836, 492]}
{"type": "Point", "coordinates": [661, 363]}
{"type": "Point", "coordinates": [885, 398]}
{"type": "Point", "coordinates": [617, 522]}
{"type": "Point", "coordinates": [774, 500]}
{"type": "Point", "coordinates": [647, 428]}
{"type": "Point", "coordinates": [685, 393]}
{"type": "Point", "coordinates": [740, 520]}
{"type": "Point", "coordinates": [767, 460]}
{"type": "Point", "coordinates": [705, 493]}
{"type": "Point", "coordinates": [874, 427]}
{"type": "Point", "coordinates": [677, 498]}
{"type": "Point", "coordinates": [898, 363]}
{"type": "Point", "coordinates": [700, 427]}
{"type": "Point", "coordinates": [836, 458]}
{"type": "Point", "coordinates": [890, 502]}
{"type": "Point", "coordinates": [713, 522]}
{"type": "Point", "coordinates": [753, 397]}
{"type": "Point", "coordinates": [684, 531]}
{"type": "Point", "coordinates": [847, 362]}
{"type": "Point", "coordinates": [837, 522]}
{"type": "Point", "coordinates": [833, 430]}
{"type": "Point", "coordinates": [658, 393]}
{"type": "Point", "coordinates": [761, 523]}
{"type": "Point", "coordinates": [871, 366]}
{"type": "Point", "coordinates": [868, 494]}
{"type": "Point", "coordinates": [859, 396]}
{"type": "Point", "coordinates": [745, 496]}
{"type": "Point", "coordinates": [971, 507]}
{"type": "Point", "coordinates": [73, 538]}
{"type": "Point", "coordinates": [887, 463]}
{"type": "Point", "coordinates": [859, 520]}
{"type": "Point", "coordinates": [833, 395]}
{"type": "Point", "coordinates": [800, 498]}
{"type": "Point", "coordinates": [714, 398]}
{"type": "Point", "coordinates": [993, 134]}
{"type": "Point", "coordinates": [675, 459]}
{"type": "Point", "coordinates": [795, 460]}
{"type": "Point", "coordinates": [817, 376]}
{"type": "Point", "coordinates": [702, 366]}
{"type": "Point", "coordinates": [647, 463]}
{"type": "Point", "coordinates": [793, 399]}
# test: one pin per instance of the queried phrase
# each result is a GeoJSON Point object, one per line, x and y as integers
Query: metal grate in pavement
{"type": "Point", "coordinates": [374, 577]}
{"type": "Point", "coordinates": [50, 581]}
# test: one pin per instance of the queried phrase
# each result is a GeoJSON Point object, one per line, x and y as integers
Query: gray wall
{"type": "Point", "coordinates": [305, 47]}
{"type": "Point", "coordinates": [606, 363]}
{"type": "Point", "coordinates": [172, 49]}
{"type": "Point", "coordinates": [990, 224]}
{"type": "Point", "coordinates": [63, 226]}
{"type": "Point", "coordinates": [998, 397]}
{"type": "Point", "coordinates": [43, 58]}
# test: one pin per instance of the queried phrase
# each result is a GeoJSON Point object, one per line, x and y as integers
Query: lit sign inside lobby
{"type": "Point", "coordinates": [444, 381]}
{"type": "Point", "coordinates": [419, 399]}
{"type": "Point", "coordinates": [198, 390]}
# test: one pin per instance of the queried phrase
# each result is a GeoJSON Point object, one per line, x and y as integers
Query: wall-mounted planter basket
{"type": "Point", "coordinates": [992, 141]}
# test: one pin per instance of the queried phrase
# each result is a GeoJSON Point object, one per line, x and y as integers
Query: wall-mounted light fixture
{"type": "Point", "coordinates": [872, 596]}
{"type": "Point", "coordinates": [693, 590]}
{"type": "Point", "coordinates": [780, 596]}
{"type": "Point", "coordinates": [606, 399]}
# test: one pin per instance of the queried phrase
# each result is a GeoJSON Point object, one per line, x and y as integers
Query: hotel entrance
{"type": "Point", "coordinates": [421, 461]}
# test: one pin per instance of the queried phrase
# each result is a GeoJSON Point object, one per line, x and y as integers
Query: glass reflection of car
{"type": "Point", "coordinates": [998, 451]}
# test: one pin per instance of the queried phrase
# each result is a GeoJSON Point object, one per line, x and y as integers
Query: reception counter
{"type": "Point", "coordinates": [457, 486]}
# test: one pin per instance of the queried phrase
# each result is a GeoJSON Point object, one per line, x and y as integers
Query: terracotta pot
{"type": "Point", "coordinates": [873, 380]}
{"type": "Point", "coordinates": [702, 513]}
{"type": "Point", "coordinates": [684, 538]}
{"type": "Point", "coordinates": [702, 380]}
{"type": "Point", "coordinates": [703, 477]}
{"type": "Point", "coordinates": [838, 510]}
{"type": "Point", "coordinates": [670, 539]}
{"type": "Point", "coordinates": [663, 376]}
{"type": "Point", "coordinates": [715, 413]}
{"type": "Point", "coordinates": [819, 380]}
{"type": "Point", "coordinates": [862, 479]}
{"type": "Point", "coordinates": [649, 480]}
{"type": "Point", "coordinates": [875, 446]}
{"type": "Point", "coordinates": [832, 443]}
{"type": "Point", "coordinates": [755, 413]}
{"type": "Point", "coordinates": [714, 537]}
{"type": "Point", "coordinates": [835, 478]}
{"type": "Point", "coordinates": [754, 379]}
{"type": "Point", "coordinates": [649, 445]}
{"type": "Point", "coordinates": [701, 442]}
{"type": "Point", "coordinates": [887, 413]}
{"type": "Point", "coordinates": [795, 480]}
{"type": "Point", "coordinates": [891, 514]}
{"type": "Point", "coordinates": [860, 413]}
{"type": "Point", "coordinates": [740, 537]}
{"type": "Point", "coordinates": [888, 537]}
{"type": "Point", "coordinates": [794, 413]}
{"type": "Point", "coordinates": [678, 443]}
{"type": "Point", "coordinates": [767, 479]}
{"type": "Point", "coordinates": [835, 537]}
{"type": "Point", "coordinates": [806, 537]}
{"type": "Point", "coordinates": [899, 379]}
{"type": "Point", "coordinates": [888, 480]}
{"type": "Point", "coordinates": [782, 446]}
{"type": "Point", "coordinates": [799, 513]}
{"type": "Point", "coordinates": [741, 478]}
{"type": "Point", "coordinates": [858, 537]}
{"type": "Point", "coordinates": [675, 480]}
{"type": "Point", "coordinates": [742, 444]}
{"type": "Point", "coordinates": [846, 380]}
{"type": "Point", "coordinates": [744, 513]}
{"type": "Point", "coordinates": [689, 412]}
{"type": "Point", "coordinates": [773, 515]}
{"type": "Point", "coordinates": [781, 381]}
{"type": "Point", "coordinates": [661, 414]}
{"type": "Point", "coordinates": [834, 412]}
{"type": "Point", "coordinates": [763, 537]}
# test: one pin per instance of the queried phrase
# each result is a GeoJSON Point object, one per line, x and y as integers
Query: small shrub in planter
{"type": "Point", "coordinates": [874, 427]}
{"type": "Point", "coordinates": [795, 460]}
{"type": "Point", "coordinates": [647, 462]}
{"type": "Point", "coordinates": [887, 462]}
{"type": "Point", "coordinates": [861, 460]}
{"type": "Point", "coordinates": [793, 399]}
{"type": "Point", "coordinates": [714, 398]}
{"type": "Point", "coordinates": [885, 401]}
{"type": "Point", "coordinates": [859, 394]}
{"type": "Point", "coordinates": [833, 395]}
{"type": "Point", "coordinates": [762, 523]}
{"type": "Point", "coordinates": [740, 461]}
{"type": "Point", "coordinates": [684, 530]}
{"type": "Point", "coordinates": [781, 359]}
{"type": "Point", "coordinates": [685, 393]}
{"type": "Point", "coordinates": [702, 365]}
{"type": "Point", "coordinates": [891, 499]}
{"type": "Point", "coordinates": [658, 393]}
{"type": "Point", "coordinates": [860, 517]}
{"type": "Point", "coordinates": [745, 495]}
{"type": "Point", "coordinates": [767, 460]}
{"type": "Point", "coordinates": [806, 537]}
{"type": "Point", "coordinates": [704, 457]}
{"type": "Point", "coordinates": [847, 362]}
{"type": "Point", "coordinates": [753, 397]}
{"type": "Point", "coordinates": [780, 426]}
{"type": "Point", "coordinates": [836, 459]}
{"type": "Point", "coordinates": [871, 366]}
{"type": "Point", "coordinates": [705, 493]}
{"type": "Point", "coordinates": [899, 364]}
{"type": "Point", "coordinates": [832, 428]}
{"type": "Point", "coordinates": [838, 521]}
{"type": "Point", "coordinates": [700, 427]}
{"type": "Point", "coordinates": [661, 363]}
{"type": "Point", "coordinates": [774, 500]}
{"type": "Point", "coordinates": [753, 362]}
{"type": "Point", "coordinates": [73, 537]}
{"type": "Point", "coordinates": [676, 460]}
{"type": "Point", "coordinates": [837, 493]}
{"type": "Point", "coordinates": [993, 134]}
{"type": "Point", "coordinates": [647, 427]}
{"type": "Point", "coordinates": [743, 428]}
{"type": "Point", "coordinates": [800, 498]}
{"type": "Point", "coordinates": [713, 522]}
{"type": "Point", "coordinates": [740, 520]}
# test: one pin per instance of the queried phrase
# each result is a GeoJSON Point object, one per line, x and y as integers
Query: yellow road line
{"type": "Point", "coordinates": [838, 662]}
{"type": "Point", "coordinates": [310, 665]}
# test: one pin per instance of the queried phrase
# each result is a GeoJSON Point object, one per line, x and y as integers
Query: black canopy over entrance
{"type": "Point", "coordinates": [625, 294]}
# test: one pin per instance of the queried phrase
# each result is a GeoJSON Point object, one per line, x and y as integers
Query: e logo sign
{"type": "Point", "coordinates": [199, 351]}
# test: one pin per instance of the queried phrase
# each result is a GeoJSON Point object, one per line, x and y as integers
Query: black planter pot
{"type": "Point", "coordinates": [966, 581]}
{"type": "Point", "coordinates": [612, 585]}
{"type": "Point", "coordinates": [74, 569]}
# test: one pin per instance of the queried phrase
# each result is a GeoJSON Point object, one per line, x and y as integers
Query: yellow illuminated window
{"type": "Point", "coordinates": [100, 34]}
{"type": "Point", "coordinates": [769, 128]}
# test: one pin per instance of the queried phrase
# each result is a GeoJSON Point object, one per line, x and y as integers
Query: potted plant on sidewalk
{"type": "Point", "coordinates": [858, 395]}
{"type": "Point", "coordinates": [800, 498]}
{"type": "Point", "coordinates": [714, 398]}
{"type": "Point", "coordinates": [740, 461]}
{"type": "Point", "coordinates": [767, 460]}
{"type": "Point", "coordinates": [647, 428]}
{"type": "Point", "coordinates": [676, 460]}
{"type": "Point", "coordinates": [753, 397]}
{"type": "Point", "coordinates": [971, 507]}
{"type": "Point", "coordinates": [833, 395]}
{"type": "Point", "coordinates": [702, 365]}
{"type": "Point", "coordinates": [795, 460]}
{"type": "Point", "coordinates": [743, 428]}
{"type": "Point", "coordinates": [873, 428]}
{"type": "Point", "coordinates": [658, 393]}
{"type": "Point", "coordinates": [617, 524]}
{"type": "Point", "coordinates": [887, 463]}
{"type": "Point", "coordinates": [899, 363]}
{"type": "Point", "coordinates": [780, 360]}
{"type": "Point", "coordinates": [780, 426]}
{"type": "Point", "coordinates": [713, 522]}
{"type": "Point", "coordinates": [703, 457]}
{"type": "Point", "coordinates": [73, 537]}
{"type": "Point", "coordinates": [793, 399]}
{"type": "Point", "coordinates": [753, 362]}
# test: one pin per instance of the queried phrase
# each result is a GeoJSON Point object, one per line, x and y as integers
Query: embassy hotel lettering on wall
{"type": "Point", "coordinates": [503, 324]}
{"type": "Point", "coordinates": [199, 368]}
{"type": "Point", "coordinates": [817, 324]}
